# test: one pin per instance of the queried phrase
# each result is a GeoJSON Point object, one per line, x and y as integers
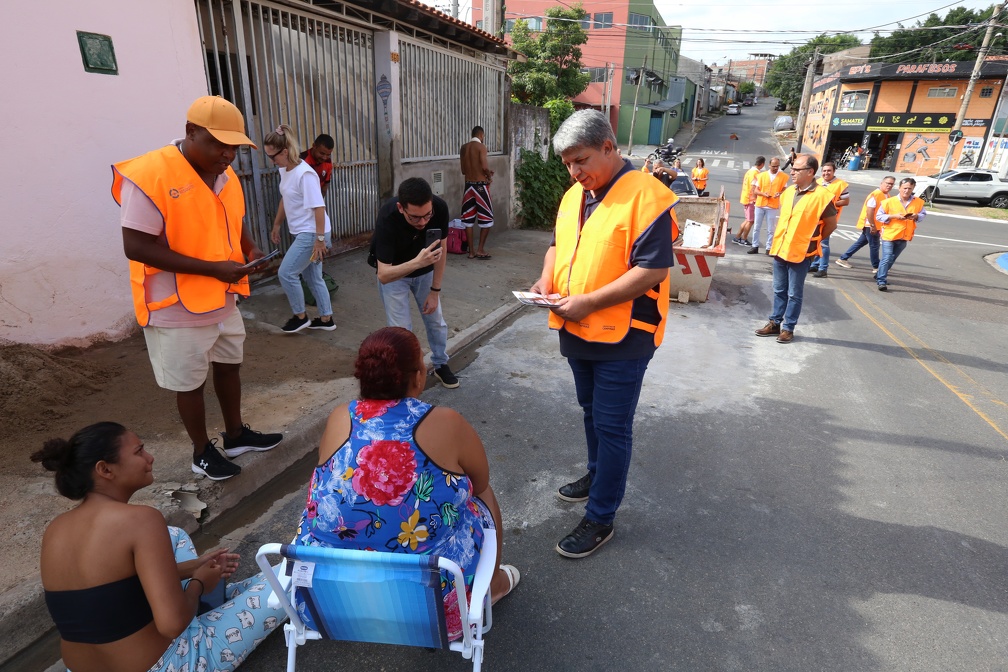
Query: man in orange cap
{"type": "Point", "coordinates": [182, 210]}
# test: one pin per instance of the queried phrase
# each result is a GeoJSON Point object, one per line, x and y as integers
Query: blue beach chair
{"type": "Point", "coordinates": [384, 598]}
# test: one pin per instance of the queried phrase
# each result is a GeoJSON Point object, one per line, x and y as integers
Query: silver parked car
{"type": "Point", "coordinates": [983, 186]}
{"type": "Point", "coordinates": [784, 122]}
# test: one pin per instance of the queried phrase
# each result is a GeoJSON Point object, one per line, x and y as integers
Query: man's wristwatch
{"type": "Point", "coordinates": [320, 239]}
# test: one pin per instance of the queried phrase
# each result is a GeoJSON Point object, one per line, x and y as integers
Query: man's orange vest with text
{"type": "Point", "coordinates": [771, 184]}
{"type": "Point", "coordinates": [597, 252]}
{"type": "Point", "coordinates": [799, 228]}
{"type": "Point", "coordinates": [198, 223]}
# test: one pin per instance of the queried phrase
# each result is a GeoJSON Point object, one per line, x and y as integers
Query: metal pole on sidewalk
{"type": "Point", "coordinates": [974, 76]}
{"type": "Point", "coordinates": [806, 98]}
{"type": "Point", "coordinates": [633, 117]}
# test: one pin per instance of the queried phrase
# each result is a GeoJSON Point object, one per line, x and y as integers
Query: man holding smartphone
{"type": "Point", "coordinates": [410, 251]}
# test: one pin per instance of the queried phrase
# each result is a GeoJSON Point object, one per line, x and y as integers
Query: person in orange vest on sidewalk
{"type": "Point", "coordinates": [748, 200]}
{"type": "Point", "coordinates": [870, 228]}
{"type": "Point", "coordinates": [609, 263]}
{"type": "Point", "coordinates": [700, 175]}
{"type": "Point", "coordinates": [182, 211]}
{"type": "Point", "coordinates": [899, 217]}
{"type": "Point", "coordinates": [841, 197]}
{"type": "Point", "coordinates": [768, 188]}
{"type": "Point", "coordinates": [807, 214]}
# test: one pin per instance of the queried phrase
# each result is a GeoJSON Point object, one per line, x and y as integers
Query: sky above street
{"type": "Point", "coordinates": [716, 31]}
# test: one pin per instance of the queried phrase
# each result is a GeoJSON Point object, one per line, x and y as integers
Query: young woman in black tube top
{"type": "Point", "coordinates": [122, 587]}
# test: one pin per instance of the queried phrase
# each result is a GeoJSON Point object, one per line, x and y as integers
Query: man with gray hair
{"type": "Point", "coordinates": [608, 268]}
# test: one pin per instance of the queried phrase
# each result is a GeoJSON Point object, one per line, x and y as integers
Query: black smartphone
{"type": "Point", "coordinates": [433, 235]}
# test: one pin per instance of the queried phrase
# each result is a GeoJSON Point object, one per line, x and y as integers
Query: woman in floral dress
{"type": "Point", "coordinates": [398, 475]}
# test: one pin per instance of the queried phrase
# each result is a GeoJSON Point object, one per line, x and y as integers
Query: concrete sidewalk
{"type": "Point", "coordinates": [477, 297]}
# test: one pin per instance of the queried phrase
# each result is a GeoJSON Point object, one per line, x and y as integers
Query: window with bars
{"type": "Point", "coordinates": [942, 92]}
{"type": "Point", "coordinates": [429, 81]}
{"type": "Point", "coordinates": [987, 92]}
{"type": "Point", "coordinates": [596, 74]}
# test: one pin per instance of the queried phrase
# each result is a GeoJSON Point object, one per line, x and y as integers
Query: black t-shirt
{"type": "Point", "coordinates": [396, 241]}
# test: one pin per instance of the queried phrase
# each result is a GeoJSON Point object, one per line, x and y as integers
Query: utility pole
{"type": "Point", "coordinates": [633, 117]}
{"type": "Point", "coordinates": [806, 97]}
{"type": "Point", "coordinates": [609, 67]}
{"type": "Point", "coordinates": [981, 55]}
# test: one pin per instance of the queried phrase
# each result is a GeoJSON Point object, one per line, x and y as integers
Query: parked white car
{"type": "Point", "coordinates": [734, 108]}
{"type": "Point", "coordinates": [983, 186]}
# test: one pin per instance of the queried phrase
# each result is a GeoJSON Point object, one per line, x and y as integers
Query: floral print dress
{"type": "Point", "coordinates": [381, 492]}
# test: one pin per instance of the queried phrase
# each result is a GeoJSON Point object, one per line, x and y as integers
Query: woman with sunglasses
{"type": "Point", "coordinates": [302, 204]}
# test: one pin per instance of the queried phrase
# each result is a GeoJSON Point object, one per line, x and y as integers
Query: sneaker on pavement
{"type": "Point", "coordinates": [317, 323]}
{"type": "Point", "coordinates": [212, 465]}
{"type": "Point", "coordinates": [821, 273]}
{"type": "Point", "coordinates": [576, 491]}
{"type": "Point", "coordinates": [447, 378]}
{"type": "Point", "coordinates": [883, 287]}
{"type": "Point", "coordinates": [295, 324]}
{"type": "Point", "coordinates": [769, 329]}
{"type": "Point", "coordinates": [843, 263]}
{"type": "Point", "coordinates": [249, 440]}
{"type": "Point", "coordinates": [585, 539]}
{"type": "Point", "coordinates": [753, 250]}
{"type": "Point", "coordinates": [874, 272]}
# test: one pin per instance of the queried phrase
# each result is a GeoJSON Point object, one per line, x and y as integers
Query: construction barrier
{"type": "Point", "coordinates": [690, 278]}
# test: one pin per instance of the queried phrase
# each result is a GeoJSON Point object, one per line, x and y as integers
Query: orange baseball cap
{"type": "Point", "coordinates": [219, 116]}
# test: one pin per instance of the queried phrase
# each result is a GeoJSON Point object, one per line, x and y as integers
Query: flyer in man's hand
{"type": "Point", "coordinates": [260, 261]}
{"type": "Point", "coordinates": [533, 299]}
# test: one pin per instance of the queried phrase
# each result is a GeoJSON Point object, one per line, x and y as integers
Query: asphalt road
{"type": "Point", "coordinates": [838, 503]}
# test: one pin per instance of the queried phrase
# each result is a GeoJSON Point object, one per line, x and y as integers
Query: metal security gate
{"type": "Point", "coordinates": [430, 80]}
{"type": "Point", "coordinates": [281, 66]}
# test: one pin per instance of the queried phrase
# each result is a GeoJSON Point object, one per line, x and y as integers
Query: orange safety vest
{"type": "Point", "coordinates": [700, 178]}
{"type": "Point", "coordinates": [799, 227]}
{"type": "Point", "coordinates": [836, 187]}
{"type": "Point", "coordinates": [900, 229]}
{"type": "Point", "coordinates": [747, 189]}
{"type": "Point", "coordinates": [769, 184]}
{"type": "Point", "coordinates": [596, 252]}
{"type": "Point", "coordinates": [862, 221]}
{"type": "Point", "coordinates": [198, 223]}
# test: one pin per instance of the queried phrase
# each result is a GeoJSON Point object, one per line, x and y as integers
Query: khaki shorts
{"type": "Point", "coordinates": [181, 356]}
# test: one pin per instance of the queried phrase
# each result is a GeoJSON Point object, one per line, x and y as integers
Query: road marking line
{"type": "Point", "coordinates": [715, 163]}
{"type": "Point", "coordinates": [965, 398]}
{"type": "Point", "coordinates": [730, 164]}
{"type": "Point", "coordinates": [947, 240]}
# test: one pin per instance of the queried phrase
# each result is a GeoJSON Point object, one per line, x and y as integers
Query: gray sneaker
{"type": "Point", "coordinates": [843, 263]}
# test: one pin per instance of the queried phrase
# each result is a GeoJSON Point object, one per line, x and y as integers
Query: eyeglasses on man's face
{"type": "Point", "coordinates": [798, 169]}
{"type": "Point", "coordinates": [416, 219]}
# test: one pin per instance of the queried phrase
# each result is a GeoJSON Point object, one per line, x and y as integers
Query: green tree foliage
{"type": "Point", "coordinates": [930, 41]}
{"type": "Point", "coordinates": [786, 78]}
{"type": "Point", "coordinates": [747, 88]}
{"type": "Point", "coordinates": [553, 68]}
{"type": "Point", "coordinates": [559, 110]}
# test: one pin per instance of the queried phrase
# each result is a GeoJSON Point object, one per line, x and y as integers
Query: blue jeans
{"type": "Point", "coordinates": [768, 215]}
{"type": "Point", "coordinates": [395, 298]}
{"type": "Point", "coordinates": [869, 238]}
{"type": "Point", "coordinates": [297, 262]}
{"type": "Point", "coordinates": [824, 259]}
{"type": "Point", "coordinates": [608, 392]}
{"type": "Point", "coordinates": [789, 288]}
{"type": "Point", "coordinates": [890, 250]}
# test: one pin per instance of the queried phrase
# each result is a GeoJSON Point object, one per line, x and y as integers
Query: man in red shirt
{"type": "Point", "coordinates": [319, 157]}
